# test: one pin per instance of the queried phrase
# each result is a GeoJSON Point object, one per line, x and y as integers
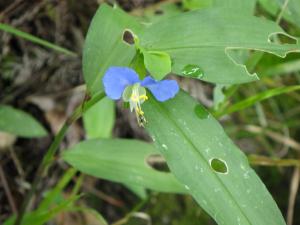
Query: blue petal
{"type": "Point", "coordinates": [162, 90]}
{"type": "Point", "coordinates": [116, 79]}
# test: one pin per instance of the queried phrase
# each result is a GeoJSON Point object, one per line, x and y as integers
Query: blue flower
{"type": "Point", "coordinates": [124, 82]}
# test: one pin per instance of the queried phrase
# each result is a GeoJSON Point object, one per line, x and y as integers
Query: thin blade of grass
{"type": "Point", "coordinates": [257, 98]}
{"type": "Point", "coordinates": [34, 39]}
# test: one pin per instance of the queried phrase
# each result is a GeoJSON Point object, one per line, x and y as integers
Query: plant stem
{"type": "Point", "coordinates": [284, 6]}
{"type": "Point", "coordinates": [49, 157]}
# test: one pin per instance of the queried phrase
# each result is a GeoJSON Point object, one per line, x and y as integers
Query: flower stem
{"type": "Point", "coordinates": [49, 157]}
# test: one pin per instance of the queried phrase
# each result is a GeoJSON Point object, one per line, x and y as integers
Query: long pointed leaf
{"type": "Point", "coordinates": [122, 161]}
{"type": "Point", "coordinates": [190, 139]}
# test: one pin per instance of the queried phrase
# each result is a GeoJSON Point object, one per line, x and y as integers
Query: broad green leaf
{"type": "Point", "coordinates": [104, 45]}
{"type": "Point", "coordinates": [34, 39]}
{"type": "Point", "coordinates": [121, 161]}
{"type": "Point", "coordinates": [19, 123]}
{"type": "Point", "coordinates": [162, 11]}
{"type": "Point", "coordinates": [189, 138]}
{"type": "Point", "coordinates": [232, 6]}
{"type": "Point", "coordinates": [98, 123]}
{"type": "Point", "coordinates": [208, 40]}
{"type": "Point", "coordinates": [157, 63]}
{"type": "Point", "coordinates": [257, 98]}
{"type": "Point", "coordinates": [168, 9]}
{"type": "Point", "coordinates": [99, 120]}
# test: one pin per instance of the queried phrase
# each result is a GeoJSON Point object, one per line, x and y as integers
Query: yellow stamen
{"type": "Point", "coordinates": [137, 98]}
{"type": "Point", "coordinates": [144, 97]}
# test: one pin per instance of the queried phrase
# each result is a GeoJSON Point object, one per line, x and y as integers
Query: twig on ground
{"type": "Point", "coordinates": [7, 191]}
{"type": "Point", "coordinates": [293, 194]}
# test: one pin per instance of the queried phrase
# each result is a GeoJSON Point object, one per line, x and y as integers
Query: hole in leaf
{"type": "Point", "coordinates": [200, 112]}
{"type": "Point", "coordinates": [158, 163]}
{"type": "Point", "coordinates": [128, 37]}
{"type": "Point", "coordinates": [219, 165]}
{"type": "Point", "coordinates": [281, 38]}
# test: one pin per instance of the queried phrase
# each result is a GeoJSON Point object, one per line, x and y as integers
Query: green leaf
{"type": "Point", "coordinates": [218, 95]}
{"type": "Point", "coordinates": [99, 120]}
{"type": "Point", "coordinates": [161, 11]}
{"type": "Point", "coordinates": [196, 4]}
{"type": "Point", "coordinates": [51, 205]}
{"type": "Point", "coordinates": [234, 6]}
{"type": "Point", "coordinates": [90, 211]}
{"type": "Point", "coordinates": [104, 45]}
{"type": "Point", "coordinates": [190, 139]}
{"type": "Point", "coordinates": [281, 68]}
{"type": "Point", "coordinates": [257, 98]}
{"type": "Point", "coordinates": [121, 161]}
{"type": "Point", "coordinates": [271, 6]}
{"type": "Point", "coordinates": [41, 217]}
{"type": "Point", "coordinates": [293, 10]}
{"type": "Point", "coordinates": [19, 123]}
{"type": "Point", "coordinates": [157, 63]}
{"type": "Point", "coordinates": [291, 13]}
{"type": "Point", "coordinates": [34, 39]}
{"type": "Point", "coordinates": [209, 39]}
{"type": "Point", "coordinates": [138, 65]}
{"type": "Point", "coordinates": [137, 189]}
{"type": "Point", "coordinates": [53, 194]}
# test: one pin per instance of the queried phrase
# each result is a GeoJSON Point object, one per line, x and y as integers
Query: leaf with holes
{"type": "Point", "coordinates": [121, 161]}
{"type": "Point", "coordinates": [19, 123]}
{"type": "Point", "coordinates": [210, 39]}
{"type": "Point", "coordinates": [211, 167]}
{"type": "Point", "coordinates": [104, 45]}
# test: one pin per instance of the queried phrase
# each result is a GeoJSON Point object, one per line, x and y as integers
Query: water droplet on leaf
{"type": "Point", "coordinates": [164, 146]}
{"type": "Point", "coordinates": [193, 71]}
{"type": "Point", "coordinates": [201, 112]}
{"type": "Point", "coordinates": [186, 187]}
